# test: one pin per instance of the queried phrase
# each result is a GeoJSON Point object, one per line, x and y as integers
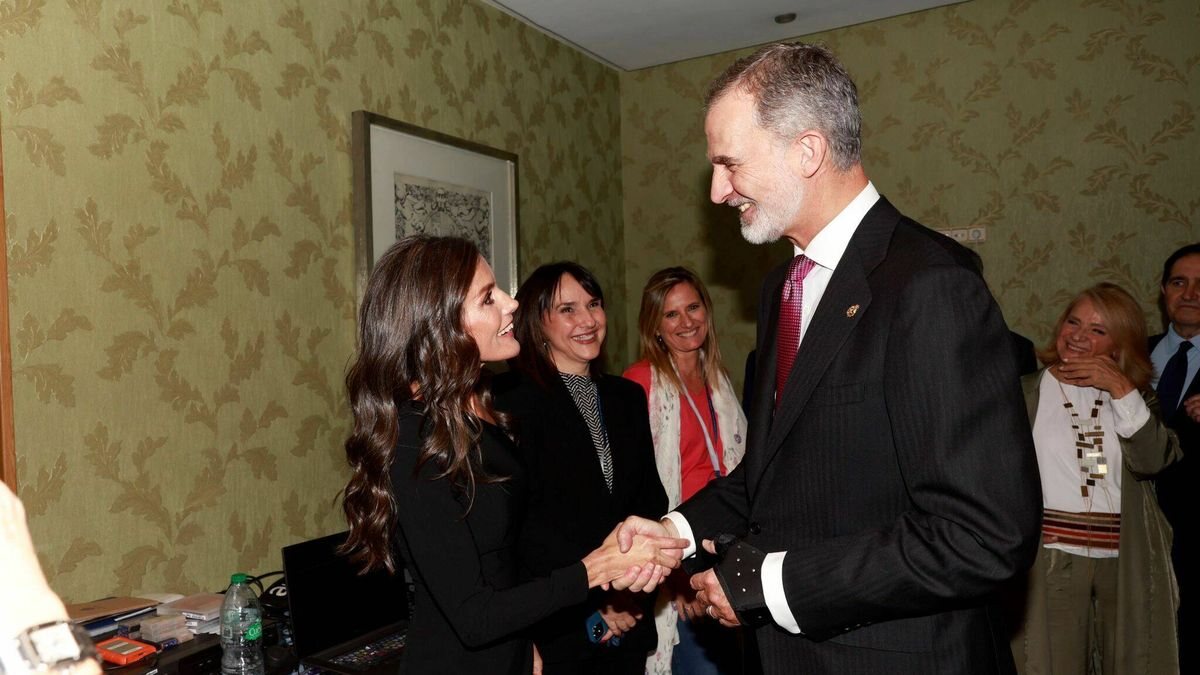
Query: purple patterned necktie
{"type": "Point", "coordinates": [790, 317]}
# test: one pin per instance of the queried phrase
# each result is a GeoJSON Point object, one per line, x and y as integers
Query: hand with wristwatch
{"type": "Point", "coordinates": [35, 635]}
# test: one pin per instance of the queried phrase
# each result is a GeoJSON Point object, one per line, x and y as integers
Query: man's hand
{"type": "Point", "coordinates": [1191, 406]}
{"type": "Point", "coordinates": [709, 593]}
{"type": "Point", "coordinates": [635, 525]}
{"type": "Point", "coordinates": [640, 578]}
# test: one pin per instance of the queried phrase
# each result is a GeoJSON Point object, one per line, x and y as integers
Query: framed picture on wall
{"type": "Point", "coordinates": [412, 180]}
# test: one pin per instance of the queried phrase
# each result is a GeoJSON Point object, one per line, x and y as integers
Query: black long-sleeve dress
{"type": "Point", "coordinates": [470, 613]}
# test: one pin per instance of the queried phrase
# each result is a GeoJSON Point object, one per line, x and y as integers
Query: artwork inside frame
{"type": "Point", "coordinates": [412, 180]}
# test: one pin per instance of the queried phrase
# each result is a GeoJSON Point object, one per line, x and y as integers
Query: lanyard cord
{"type": "Point", "coordinates": [708, 442]}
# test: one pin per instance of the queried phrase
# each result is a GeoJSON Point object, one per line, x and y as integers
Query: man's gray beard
{"type": "Point", "coordinates": [764, 230]}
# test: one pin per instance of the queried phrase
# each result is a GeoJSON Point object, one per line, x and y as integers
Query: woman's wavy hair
{"type": "Point", "coordinates": [535, 299]}
{"type": "Point", "coordinates": [412, 345]}
{"type": "Point", "coordinates": [653, 349]}
{"type": "Point", "coordinates": [1126, 326]}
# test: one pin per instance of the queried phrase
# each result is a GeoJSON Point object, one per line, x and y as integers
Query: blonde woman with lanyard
{"type": "Point", "coordinates": [699, 433]}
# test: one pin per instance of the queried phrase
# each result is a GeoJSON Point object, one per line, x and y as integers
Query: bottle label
{"type": "Point", "coordinates": [253, 631]}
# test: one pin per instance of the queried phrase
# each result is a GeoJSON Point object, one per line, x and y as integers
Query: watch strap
{"type": "Point", "coordinates": [44, 647]}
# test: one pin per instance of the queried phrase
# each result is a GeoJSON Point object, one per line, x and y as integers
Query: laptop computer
{"type": "Point", "coordinates": [343, 621]}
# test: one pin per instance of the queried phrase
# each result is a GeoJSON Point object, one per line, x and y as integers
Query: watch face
{"type": "Point", "coordinates": [55, 643]}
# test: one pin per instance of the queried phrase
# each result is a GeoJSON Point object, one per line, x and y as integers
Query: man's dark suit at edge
{"type": "Point", "coordinates": [1181, 301]}
{"type": "Point", "coordinates": [893, 486]}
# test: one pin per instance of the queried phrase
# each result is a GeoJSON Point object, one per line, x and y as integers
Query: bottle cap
{"type": "Point", "coordinates": [239, 578]}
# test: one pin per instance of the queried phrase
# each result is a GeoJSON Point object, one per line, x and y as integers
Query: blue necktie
{"type": "Point", "coordinates": [1170, 383]}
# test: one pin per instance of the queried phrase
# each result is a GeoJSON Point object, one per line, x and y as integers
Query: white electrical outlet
{"type": "Point", "coordinates": [968, 235]}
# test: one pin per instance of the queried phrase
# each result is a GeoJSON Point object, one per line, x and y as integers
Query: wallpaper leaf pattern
{"type": "Point", "coordinates": [181, 262]}
{"type": "Point", "coordinates": [180, 231]}
{"type": "Point", "coordinates": [1066, 128]}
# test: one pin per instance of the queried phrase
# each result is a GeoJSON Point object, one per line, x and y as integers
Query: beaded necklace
{"type": "Point", "coordinates": [1089, 442]}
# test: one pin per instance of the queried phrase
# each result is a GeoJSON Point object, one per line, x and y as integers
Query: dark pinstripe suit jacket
{"type": "Point", "coordinates": [898, 473]}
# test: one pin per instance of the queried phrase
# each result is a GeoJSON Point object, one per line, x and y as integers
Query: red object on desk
{"type": "Point", "coordinates": [123, 651]}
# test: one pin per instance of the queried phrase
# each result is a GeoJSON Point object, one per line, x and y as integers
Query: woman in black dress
{"type": "Point", "coordinates": [435, 478]}
{"type": "Point", "coordinates": [584, 438]}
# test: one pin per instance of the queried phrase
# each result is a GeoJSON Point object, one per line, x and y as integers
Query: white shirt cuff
{"type": "Point", "coordinates": [685, 532]}
{"type": "Point", "coordinates": [1131, 414]}
{"type": "Point", "coordinates": [772, 582]}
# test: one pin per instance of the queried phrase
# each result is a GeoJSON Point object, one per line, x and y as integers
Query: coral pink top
{"type": "Point", "coordinates": [694, 462]}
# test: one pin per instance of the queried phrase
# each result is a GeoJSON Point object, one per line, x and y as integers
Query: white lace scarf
{"type": "Point", "coordinates": [665, 402]}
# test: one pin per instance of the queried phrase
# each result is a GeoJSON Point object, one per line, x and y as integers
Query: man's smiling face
{"type": "Point", "coordinates": [750, 169]}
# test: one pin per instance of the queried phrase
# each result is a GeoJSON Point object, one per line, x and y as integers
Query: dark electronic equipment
{"type": "Point", "coordinates": [343, 621]}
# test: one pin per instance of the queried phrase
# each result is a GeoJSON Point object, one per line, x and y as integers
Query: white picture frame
{"type": "Point", "coordinates": [408, 180]}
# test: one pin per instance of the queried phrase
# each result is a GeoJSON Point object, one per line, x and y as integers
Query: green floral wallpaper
{"type": "Point", "coordinates": [1067, 128]}
{"type": "Point", "coordinates": [181, 259]}
{"type": "Point", "coordinates": [179, 232]}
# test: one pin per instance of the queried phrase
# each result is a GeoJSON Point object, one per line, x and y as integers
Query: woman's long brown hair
{"type": "Point", "coordinates": [411, 345]}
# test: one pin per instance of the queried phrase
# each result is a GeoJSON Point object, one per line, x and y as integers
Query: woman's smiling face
{"type": "Point", "coordinates": [1084, 333]}
{"type": "Point", "coordinates": [684, 324]}
{"type": "Point", "coordinates": [574, 326]}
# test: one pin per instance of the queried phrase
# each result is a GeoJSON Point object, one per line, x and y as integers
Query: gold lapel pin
{"type": "Point", "coordinates": [851, 311]}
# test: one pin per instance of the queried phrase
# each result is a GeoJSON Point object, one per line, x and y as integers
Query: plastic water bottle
{"type": "Point", "coordinates": [241, 630]}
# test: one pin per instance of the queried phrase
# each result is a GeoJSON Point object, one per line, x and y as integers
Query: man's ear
{"type": "Point", "coordinates": [809, 151]}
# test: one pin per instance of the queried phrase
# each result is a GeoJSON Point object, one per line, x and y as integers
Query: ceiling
{"type": "Point", "coordinates": [633, 34]}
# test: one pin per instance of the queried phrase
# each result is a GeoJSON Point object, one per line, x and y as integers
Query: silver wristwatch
{"type": "Point", "coordinates": [45, 647]}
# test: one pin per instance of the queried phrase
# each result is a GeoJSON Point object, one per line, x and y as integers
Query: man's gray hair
{"type": "Point", "coordinates": [795, 87]}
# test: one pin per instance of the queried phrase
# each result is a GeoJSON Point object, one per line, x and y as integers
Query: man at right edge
{"type": "Point", "coordinates": [1176, 358]}
{"type": "Point", "coordinates": [890, 486]}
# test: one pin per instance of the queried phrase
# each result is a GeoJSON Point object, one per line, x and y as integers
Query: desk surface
{"type": "Point", "coordinates": [199, 656]}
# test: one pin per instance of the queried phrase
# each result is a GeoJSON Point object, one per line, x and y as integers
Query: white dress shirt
{"type": "Point", "coordinates": [825, 250]}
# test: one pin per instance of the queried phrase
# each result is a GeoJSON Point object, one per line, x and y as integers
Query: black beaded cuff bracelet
{"type": "Point", "coordinates": [740, 572]}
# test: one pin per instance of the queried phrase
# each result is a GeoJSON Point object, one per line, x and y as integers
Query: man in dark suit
{"type": "Point", "coordinates": [1176, 358]}
{"type": "Point", "coordinates": [890, 486]}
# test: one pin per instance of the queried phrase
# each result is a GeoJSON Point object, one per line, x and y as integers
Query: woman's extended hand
{"type": "Point", "coordinates": [1100, 372]}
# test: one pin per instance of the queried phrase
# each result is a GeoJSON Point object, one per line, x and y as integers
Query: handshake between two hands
{"type": "Point", "coordinates": [639, 554]}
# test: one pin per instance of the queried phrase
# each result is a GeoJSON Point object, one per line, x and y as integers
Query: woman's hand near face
{"type": "Point", "coordinates": [1100, 372]}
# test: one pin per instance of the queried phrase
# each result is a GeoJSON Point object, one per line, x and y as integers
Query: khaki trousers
{"type": "Point", "coordinates": [1081, 608]}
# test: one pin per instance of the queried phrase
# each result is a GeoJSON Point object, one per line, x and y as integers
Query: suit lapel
{"type": "Point", "coordinates": [830, 327]}
{"type": "Point", "coordinates": [766, 363]}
